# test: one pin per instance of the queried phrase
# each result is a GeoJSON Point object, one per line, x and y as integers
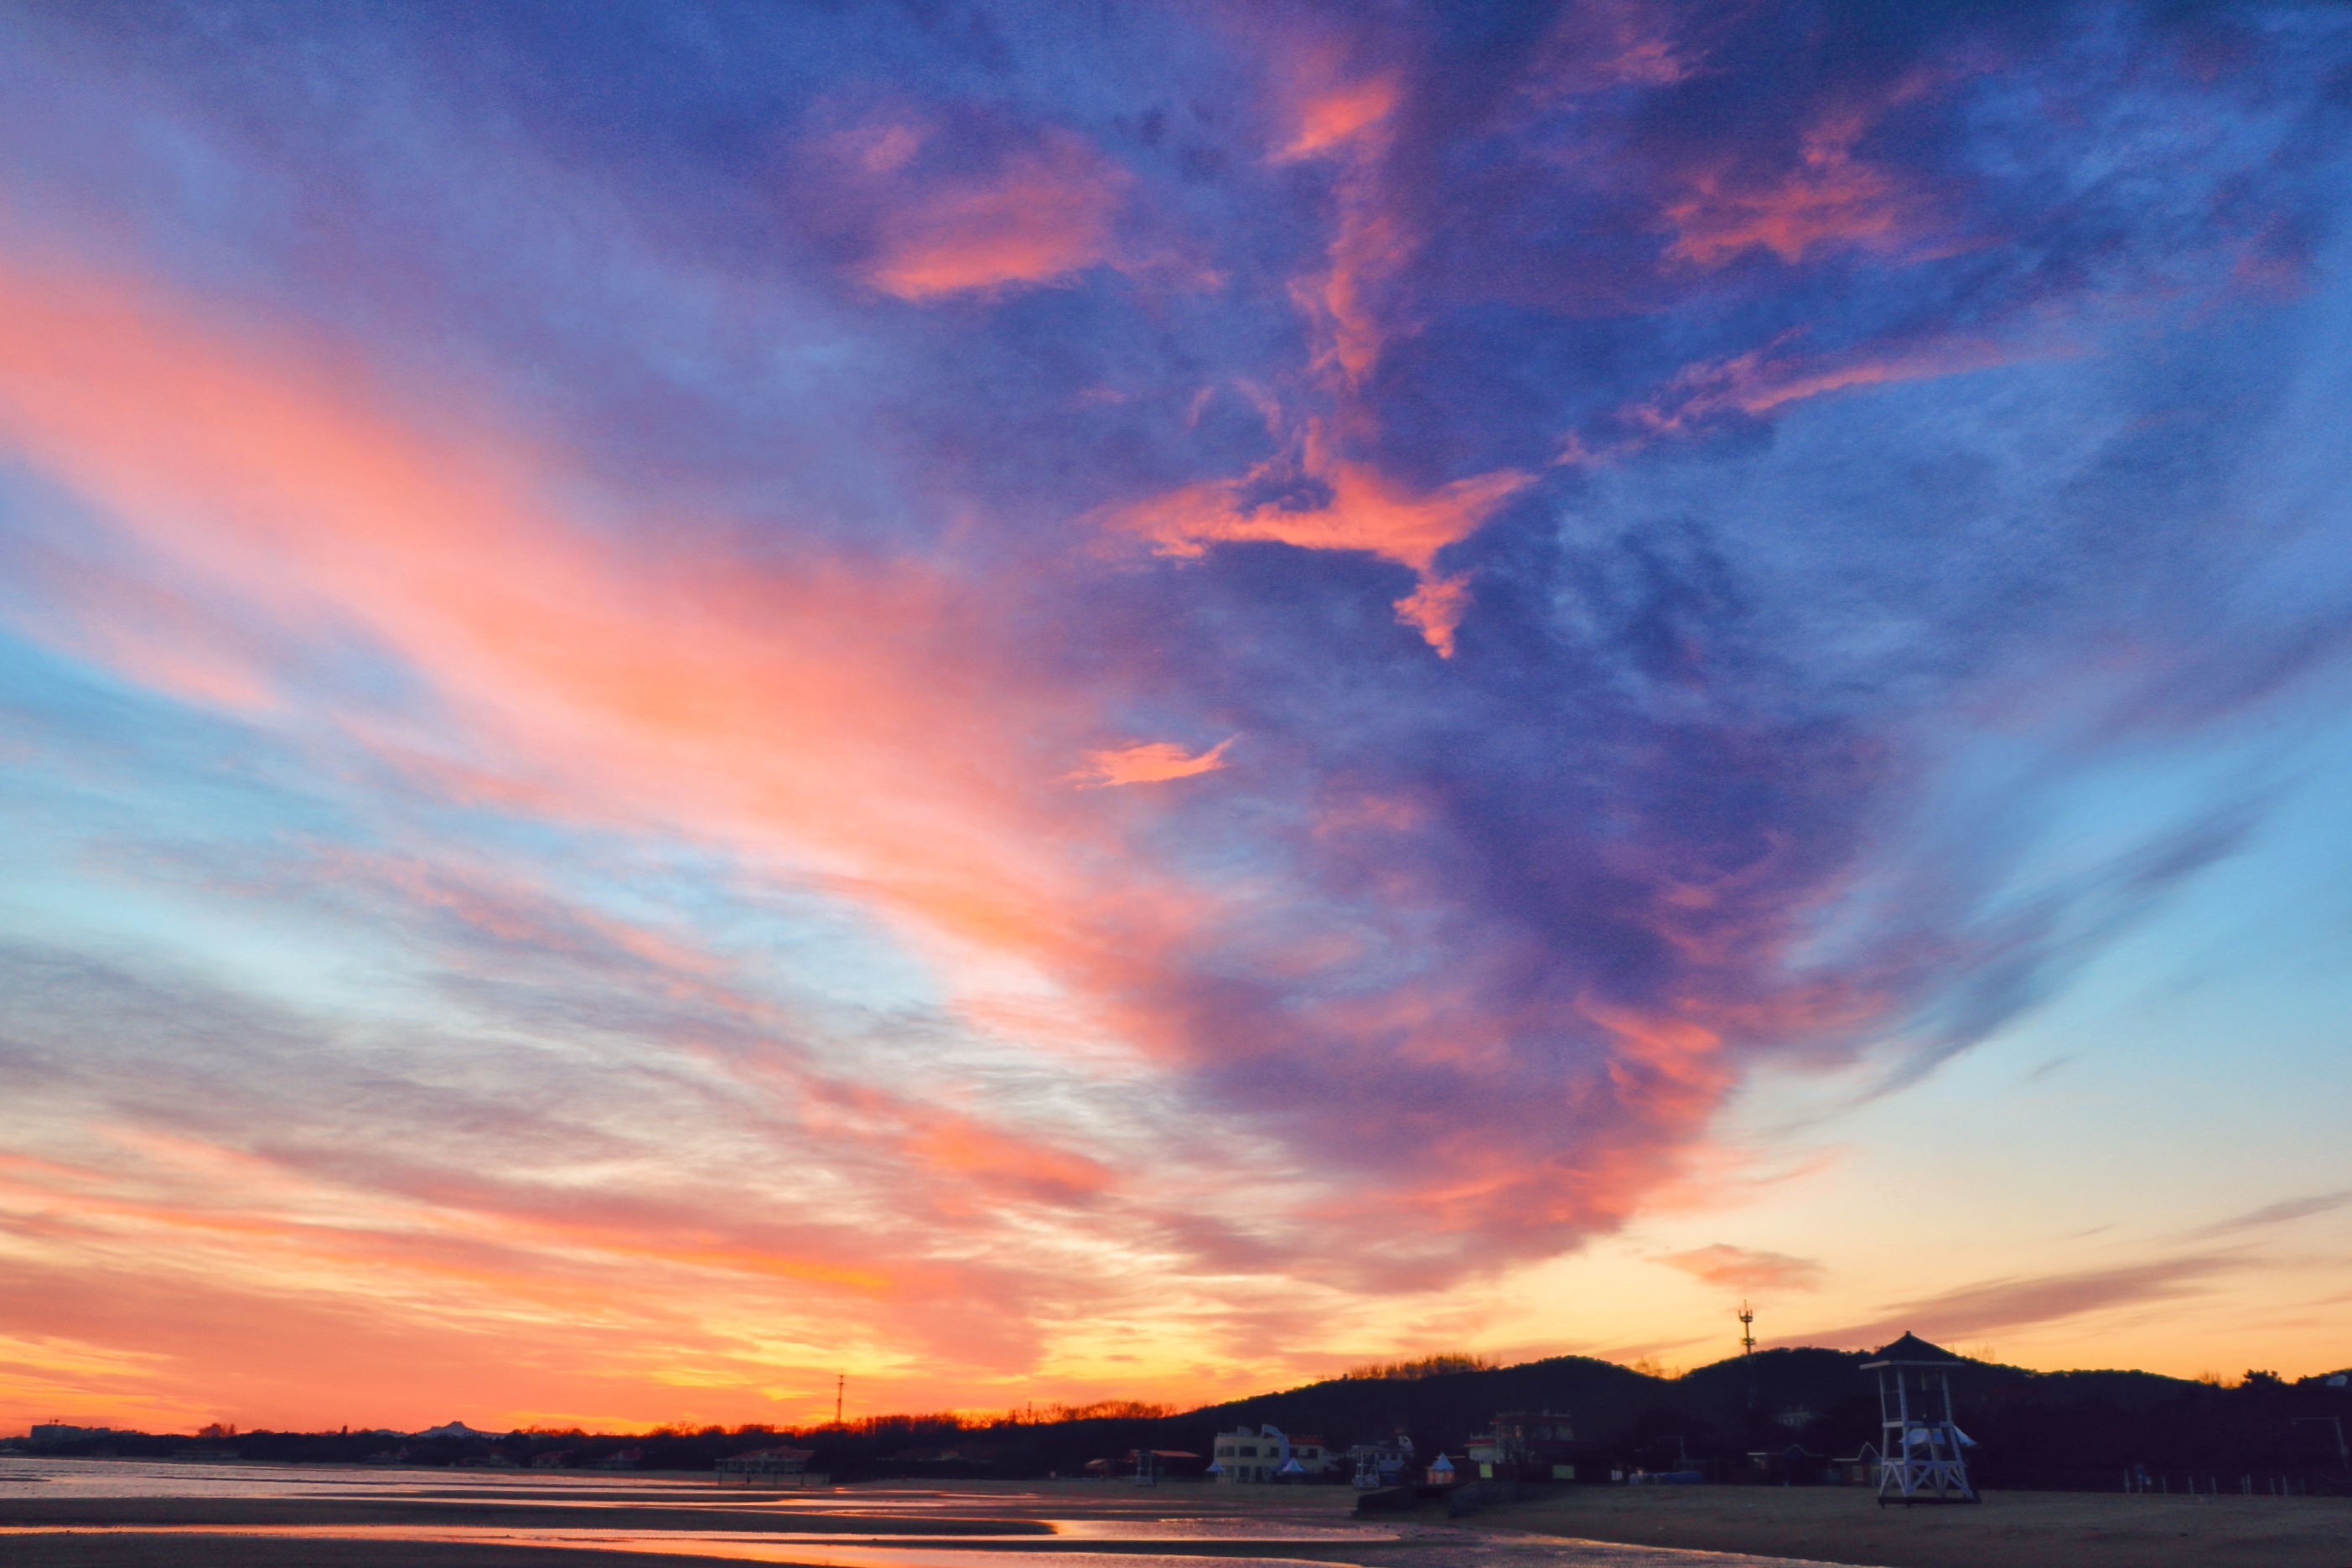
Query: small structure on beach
{"type": "Point", "coordinates": [1794, 1466]}
{"type": "Point", "coordinates": [1921, 1458]}
{"type": "Point", "coordinates": [1859, 1468]}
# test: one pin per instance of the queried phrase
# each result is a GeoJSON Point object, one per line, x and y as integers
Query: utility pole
{"type": "Point", "coordinates": [1747, 1329]}
{"type": "Point", "coordinates": [840, 1382]}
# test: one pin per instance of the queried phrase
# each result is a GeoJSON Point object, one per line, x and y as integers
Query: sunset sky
{"type": "Point", "coordinates": [1060, 701]}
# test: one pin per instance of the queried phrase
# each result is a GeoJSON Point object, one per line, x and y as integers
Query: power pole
{"type": "Point", "coordinates": [1747, 1329]}
{"type": "Point", "coordinates": [840, 1382]}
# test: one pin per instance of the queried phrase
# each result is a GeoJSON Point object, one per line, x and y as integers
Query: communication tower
{"type": "Point", "coordinates": [1747, 1329]}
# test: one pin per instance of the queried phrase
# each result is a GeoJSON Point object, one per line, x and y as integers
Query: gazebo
{"type": "Point", "coordinates": [1922, 1459]}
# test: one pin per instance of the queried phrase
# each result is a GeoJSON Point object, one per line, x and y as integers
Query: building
{"type": "Point", "coordinates": [1383, 1464]}
{"type": "Point", "coordinates": [1526, 1446]}
{"type": "Point", "coordinates": [1244, 1458]}
{"type": "Point", "coordinates": [771, 1466]}
{"type": "Point", "coordinates": [59, 1432]}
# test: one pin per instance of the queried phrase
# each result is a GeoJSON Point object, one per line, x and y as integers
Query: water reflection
{"type": "Point", "coordinates": [939, 1528]}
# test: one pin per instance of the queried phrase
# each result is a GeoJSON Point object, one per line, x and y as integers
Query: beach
{"type": "Point", "coordinates": [2011, 1530]}
{"type": "Point", "coordinates": [75, 1513]}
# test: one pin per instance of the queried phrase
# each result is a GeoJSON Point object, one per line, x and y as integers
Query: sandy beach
{"type": "Point", "coordinates": [2011, 1530]}
{"type": "Point", "coordinates": [413, 1522]}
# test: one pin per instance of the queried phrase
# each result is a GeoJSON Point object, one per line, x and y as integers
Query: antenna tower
{"type": "Point", "coordinates": [840, 1382]}
{"type": "Point", "coordinates": [1747, 1329]}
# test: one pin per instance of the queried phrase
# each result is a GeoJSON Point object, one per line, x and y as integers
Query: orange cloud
{"type": "Point", "coordinates": [1366, 511]}
{"type": "Point", "coordinates": [1153, 762]}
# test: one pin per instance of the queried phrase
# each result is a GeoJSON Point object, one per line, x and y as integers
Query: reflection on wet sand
{"type": "Point", "coordinates": [77, 1512]}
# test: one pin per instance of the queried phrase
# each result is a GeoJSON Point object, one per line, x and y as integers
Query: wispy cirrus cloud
{"type": "Point", "coordinates": [586, 660]}
{"type": "Point", "coordinates": [2003, 1304]}
{"type": "Point", "coordinates": [1723, 1264]}
{"type": "Point", "coordinates": [2285, 1212]}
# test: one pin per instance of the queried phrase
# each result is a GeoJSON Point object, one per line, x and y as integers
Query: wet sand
{"type": "Point", "coordinates": [1173, 1527]}
{"type": "Point", "coordinates": [716, 1510]}
{"type": "Point", "coordinates": [164, 1551]}
{"type": "Point", "coordinates": [2009, 1530]}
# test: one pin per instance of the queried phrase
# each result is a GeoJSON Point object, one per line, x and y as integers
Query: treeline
{"type": "Point", "coordinates": [946, 1444]}
{"type": "Point", "coordinates": [1442, 1365]}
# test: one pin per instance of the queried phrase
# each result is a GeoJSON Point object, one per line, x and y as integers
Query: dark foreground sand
{"type": "Point", "coordinates": [2014, 1530]}
{"type": "Point", "coordinates": [2009, 1530]}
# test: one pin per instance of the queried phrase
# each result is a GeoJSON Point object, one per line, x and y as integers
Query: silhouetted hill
{"type": "Point", "coordinates": [2032, 1428]}
{"type": "Point", "coordinates": [1443, 1410]}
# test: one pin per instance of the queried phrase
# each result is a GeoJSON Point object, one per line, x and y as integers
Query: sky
{"type": "Point", "coordinates": [1061, 701]}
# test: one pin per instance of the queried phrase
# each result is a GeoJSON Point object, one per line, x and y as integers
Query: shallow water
{"type": "Point", "coordinates": [1114, 1520]}
{"type": "Point", "coordinates": [21, 1476]}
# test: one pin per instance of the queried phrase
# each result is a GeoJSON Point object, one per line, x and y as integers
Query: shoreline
{"type": "Point", "coordinates": [882, 1526]}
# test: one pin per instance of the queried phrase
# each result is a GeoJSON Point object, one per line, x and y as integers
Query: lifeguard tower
{"type": "Point", "coordinates": [1923, 1443]}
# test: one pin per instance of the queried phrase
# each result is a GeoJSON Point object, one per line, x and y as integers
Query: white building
{"type": "Point", "coordinates": [1244, 1458]}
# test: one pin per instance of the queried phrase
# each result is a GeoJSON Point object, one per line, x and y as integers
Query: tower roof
{"type": "Point", "coordinates": [1912, 1351]}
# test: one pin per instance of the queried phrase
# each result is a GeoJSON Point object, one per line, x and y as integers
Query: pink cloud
{"type": "Point", "coordinates": [1330, 117]}
{"type": "Point", "coordinates": [1765, 379]}
{"type": "Point", "coordinates": [622, 689]}
{"type": "Point", "coordinates": [1600, 44]}
{"type": "Point", "coordinates": [1035, 212]}
{"type": "Point", "coordinates": [1826, 197]}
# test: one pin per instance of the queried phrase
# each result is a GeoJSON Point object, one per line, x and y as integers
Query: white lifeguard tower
{"type": "Point", "coordinates": [1922, 1459]}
